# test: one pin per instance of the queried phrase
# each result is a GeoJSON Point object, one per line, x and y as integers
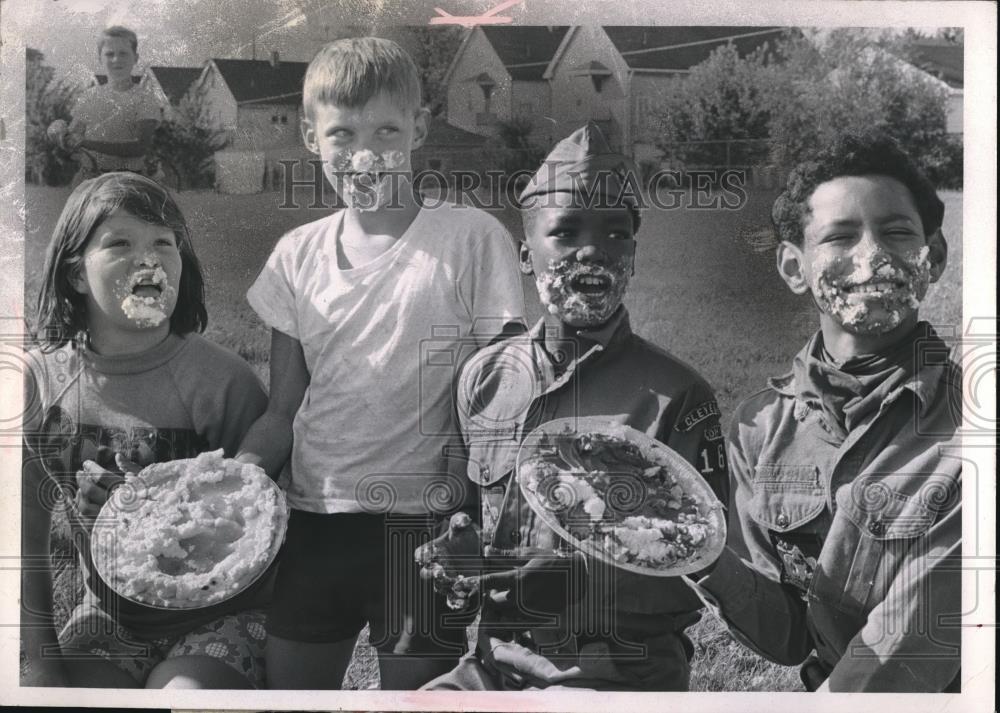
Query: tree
{"type": "Point", "coordinates": [720, 101]}
{"type": "Point", "coordinates": [45, 100]}
{"type": "Point", "coordinates": [432, 49]}
{"type": "Point", "coordinates": [849, 80]}
{"type": "Point", "coordinates": [785, 101]}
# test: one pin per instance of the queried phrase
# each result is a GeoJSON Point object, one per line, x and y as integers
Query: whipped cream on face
{"type": "Point", "coordinates": [559, 290]}
{"type": "Point", "coordinates": [145, 295]}
{"type": "Point", "coordinates": [871, 292]}
{"type": "Point", "coordinates": [363, 176]}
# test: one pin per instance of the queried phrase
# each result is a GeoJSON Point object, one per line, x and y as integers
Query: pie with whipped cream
{"type": "Point", "coordinates": [189, 533]}
{"type": "Point", "coordinates": [619, 495]}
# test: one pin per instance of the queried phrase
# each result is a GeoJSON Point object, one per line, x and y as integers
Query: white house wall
{"type": "Point", "coordinates": [265, 126]}
{"type": "Point", "coordinates": [465, 97]}
{"type": "Point", "coordinates": [955, 112]}
{"type": "Point", "coordinates": [219, 108]}
{"type": "Point", "coordinates": [533, 101]}
{"type": "Point", "coordinates": [574, 99]}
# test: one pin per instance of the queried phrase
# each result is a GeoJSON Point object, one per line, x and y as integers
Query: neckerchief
{"type": "Point", "coordinates": [848, 392]}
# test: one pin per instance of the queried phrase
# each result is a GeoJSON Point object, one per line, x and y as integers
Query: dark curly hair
{"type": "Point", "coordinates": [855, 154]}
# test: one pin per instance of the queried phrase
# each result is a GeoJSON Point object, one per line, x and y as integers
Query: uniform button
{"type": "Point", "coordinates": [876, 527]}
{"type": "Point", "coordinates": [782, 520]}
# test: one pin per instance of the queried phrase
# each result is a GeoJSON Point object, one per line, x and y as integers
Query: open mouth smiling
{"type": "Point", "coordinates": [877, 288]}
{"type": "Point", "coordinates": [590, 284]}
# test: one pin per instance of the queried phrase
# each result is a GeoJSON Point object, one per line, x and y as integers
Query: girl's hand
{"type": "Point", "coordinates": [95, 485]}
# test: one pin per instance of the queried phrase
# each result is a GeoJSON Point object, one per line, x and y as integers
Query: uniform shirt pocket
{"type": "Point", "coordinates": [789, 502]}
{"type": "Point", "coordinates": [786, 497]}
{"type": "Point", "coordinates": [875, 529]}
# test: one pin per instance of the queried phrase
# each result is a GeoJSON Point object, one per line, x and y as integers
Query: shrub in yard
{"type": "Point", "coordinates": [722, 102]}
{"type": "Point", "coordinates": [776, 105]}
{"type": "Point", "coordinates": [189, 150]}
{"type": "Point", "coordinates": [852, 81]}
{"type": "Point", "coordinates": [513, 150]}
{"type": "Point", "coordinates": [45, 100]}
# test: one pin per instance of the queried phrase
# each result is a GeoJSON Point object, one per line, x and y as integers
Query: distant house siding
{"type": "Point", "coordinates": [955, 111]}
{"type": "Point", "coordinates": [150, 84]}
{"type": "Point", "coordinates": [219, 109]}
{"type": "Point", "coordinates": [265, 126]}
{"type": "Point", "coordinates": [467, 105]}
{"type": "Point", "coordinates": [533, 101]}
{"type": "Point", "coordinates": [574, 97]}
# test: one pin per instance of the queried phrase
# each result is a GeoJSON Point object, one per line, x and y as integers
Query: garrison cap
{"type": "Point", "coordinates": [584, 164]}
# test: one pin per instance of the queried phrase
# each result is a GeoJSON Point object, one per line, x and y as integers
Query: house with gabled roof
{"type": "Point", "coordinates": [258, 102]}
{"type": "Point", "coordinates": [170, 86]}
{"type": "Point", "coordinates": [618, 76]}
{"type": "Point", "coordinates": [498, 74]}
{"type": "Point", "coordinates": [945, 61]}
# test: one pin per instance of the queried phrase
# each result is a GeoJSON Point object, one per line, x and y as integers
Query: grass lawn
{"type": "Point", "coordinates": [701, 290]}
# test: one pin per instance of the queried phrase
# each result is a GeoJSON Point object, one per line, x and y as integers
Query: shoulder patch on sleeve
{"type": "Point", "coordinates": [699, 413]}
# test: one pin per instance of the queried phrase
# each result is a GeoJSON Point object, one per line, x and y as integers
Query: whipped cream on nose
{"type": "Point", "coordinates": [364, 179]}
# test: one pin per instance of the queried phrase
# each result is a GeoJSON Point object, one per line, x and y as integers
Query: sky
{"type": "Point", "coordinates": [187, 32]}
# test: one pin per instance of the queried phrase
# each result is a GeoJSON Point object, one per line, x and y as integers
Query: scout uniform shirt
{"type": "Point", "coordinates": [626, 632]}
{"type": "Point", "coordinates": [852, 533]}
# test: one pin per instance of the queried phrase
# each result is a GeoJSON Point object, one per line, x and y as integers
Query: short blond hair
{"type": "Point", "coordinates": [352, 71]}
{"type": "Point", "coordinates": [120, 32]}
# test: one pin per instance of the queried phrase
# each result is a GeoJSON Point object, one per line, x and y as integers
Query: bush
{"type": "Point", "coordinates": [45, 100]}
{"type": "Point", "coordinates": [777, 105]}
{"type": "Point", "coordinates": [720, 102]}
{"type": "Point", "coordinates": [189, 150]}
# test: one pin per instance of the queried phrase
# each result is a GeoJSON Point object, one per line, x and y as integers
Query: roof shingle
{"type": "Point", "coordinates": [525, 50]}
{"type": "Point", "coordinates": [944, 60]}
{"type": "Point", "coordinates": [258, 81]}
{"type": "Point", "coordinates": [175, 80]}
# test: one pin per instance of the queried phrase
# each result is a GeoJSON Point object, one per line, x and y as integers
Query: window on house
{"type": "Point", "coordinates": [274, 118]}
{"type": "Point", "coordinates": [284, 118]}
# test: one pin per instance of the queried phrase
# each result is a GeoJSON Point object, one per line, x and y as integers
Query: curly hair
{"type": "Point", "coordinates": [854, 154]}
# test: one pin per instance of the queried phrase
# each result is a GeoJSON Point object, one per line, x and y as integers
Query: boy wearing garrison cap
{"type": "Point", "coordinates": [566, 621]}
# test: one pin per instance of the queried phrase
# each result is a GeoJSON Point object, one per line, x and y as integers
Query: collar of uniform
{"type": "Point", "coordinates": [612, 333]}
{"type": "Point", "coordinates": [923, 383]}
{"type": "Point", "coordinates": [614, 330]}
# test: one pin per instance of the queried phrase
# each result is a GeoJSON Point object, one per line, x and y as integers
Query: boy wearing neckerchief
{"type": "Point", "coordinates": [845, 476]}
{"type": "Point", "coordinates": [551, 621]}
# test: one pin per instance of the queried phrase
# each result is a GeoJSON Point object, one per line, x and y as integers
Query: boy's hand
{"type": "Point", "coordinates": [449, 557]}
{"type": "Point", "coordinates": [546, 584]}
{"type": "Point", "coordinates": [95, 485]}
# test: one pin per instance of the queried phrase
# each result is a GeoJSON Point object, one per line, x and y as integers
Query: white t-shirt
{"type": "Point", "coordinates": [383, 343]}
{"type": "Point", "coordinates": [114, 116]}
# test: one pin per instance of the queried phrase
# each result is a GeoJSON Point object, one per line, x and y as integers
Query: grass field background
{"type": "Point", "coordinates": [705, 289]}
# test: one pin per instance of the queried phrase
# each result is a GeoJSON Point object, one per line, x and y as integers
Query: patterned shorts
{"type": "Point", "coordinates": [237, 640]}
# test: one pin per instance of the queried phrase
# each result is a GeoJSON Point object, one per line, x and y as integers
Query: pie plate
{"type": "Point", "coordinates": [111, 528]}
{"type": "Point", "coordinates": [623, 495]}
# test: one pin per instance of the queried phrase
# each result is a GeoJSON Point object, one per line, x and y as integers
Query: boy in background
{"type": "Point", "coordinates": [350, 298]}
{"type": "Point", "coordinates": [549, 621]}
{"type": "Point", "coordinates": [846, 479]}
{"type": "Point", "coordinates": [116, 120]}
